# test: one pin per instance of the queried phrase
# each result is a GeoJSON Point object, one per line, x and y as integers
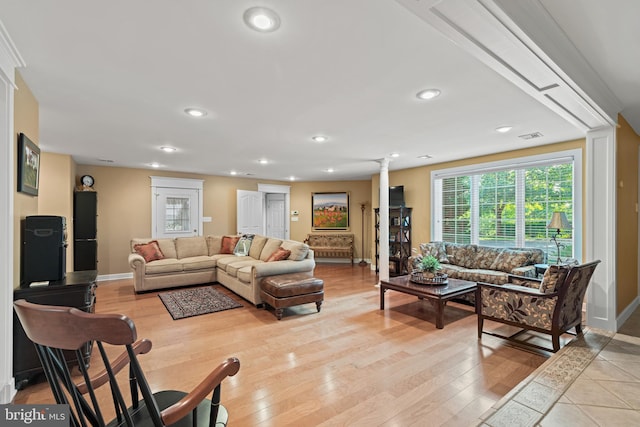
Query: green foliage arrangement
{"type": "Point", "coordinates": [430, 263]}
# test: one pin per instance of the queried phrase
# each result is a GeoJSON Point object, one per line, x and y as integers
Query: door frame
{"type": "Point", "coordinates": [286, 190]}
{"type": "Point", "coordinates": [184, 183]}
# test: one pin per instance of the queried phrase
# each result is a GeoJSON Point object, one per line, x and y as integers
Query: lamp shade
{"type": "Point", "coordinates": [559, 221]}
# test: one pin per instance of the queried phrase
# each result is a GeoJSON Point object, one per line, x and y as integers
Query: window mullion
{"type": "Point", "coordinates": [520, 211]}
{"type": "Point", "coordinates": [475, 209]}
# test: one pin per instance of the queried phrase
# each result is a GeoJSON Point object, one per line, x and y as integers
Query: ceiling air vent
{"type": "Point", "coordinates": [533, 135]}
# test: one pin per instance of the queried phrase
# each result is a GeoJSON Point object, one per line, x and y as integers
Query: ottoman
{"type": "Point", "coordinates": [287, 290]}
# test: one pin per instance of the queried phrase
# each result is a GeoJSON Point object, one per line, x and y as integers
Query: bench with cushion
{"type": "Point", "coordinates": [331, 245]}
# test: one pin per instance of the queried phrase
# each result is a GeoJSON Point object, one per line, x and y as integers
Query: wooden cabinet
{"type": "Point", "coordinates": [85, 218]}
{"type": "Point", "coordinates": [399, 240]}
{"type": "Point", "coordinates": [76, 290]}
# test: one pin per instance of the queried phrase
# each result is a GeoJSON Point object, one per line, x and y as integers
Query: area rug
{"type": "Point", "coordinates": [196, 301]}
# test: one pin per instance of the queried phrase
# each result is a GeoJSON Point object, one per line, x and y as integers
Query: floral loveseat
{"type": "Point", "coordinates": [238, 264]}
{"type": "Point", "coordinates": [479, 263]}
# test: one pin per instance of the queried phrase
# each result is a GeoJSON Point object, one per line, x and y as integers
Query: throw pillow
{"type": "Point", "coordinates": [279, 254]}
{"type": "Point", "coordinates": [228, 244]}
{"type": "Point", "coordinates": [435, 249]}
{"type": "Point", "coordinates": [554, 276]}
{"type": "Point", "coordinates": [510, 259]}
{"type": "Point", "coordinates": [149, 251]}
{"type": "Point", "coordinates": [243, 245]}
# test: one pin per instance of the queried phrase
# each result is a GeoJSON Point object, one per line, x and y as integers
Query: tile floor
{"type": "Point", "coordinates": [593, 381]}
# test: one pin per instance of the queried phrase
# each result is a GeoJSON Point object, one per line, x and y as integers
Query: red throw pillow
{"type": "Point", "coordinates": [279, 254]}
{"type": "Point", "coordinates": [149, 251]}
{"type": "Point", "coordinates": [228, 244]}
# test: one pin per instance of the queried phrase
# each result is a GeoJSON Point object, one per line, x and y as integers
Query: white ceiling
{"type": "Point", "coordinates": [113, 78]}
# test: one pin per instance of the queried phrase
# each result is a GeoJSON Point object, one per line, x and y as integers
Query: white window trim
{"type": "Point", "coordinates": [185, 183]}
{"type": "Point", "coordinates": [574, 155]}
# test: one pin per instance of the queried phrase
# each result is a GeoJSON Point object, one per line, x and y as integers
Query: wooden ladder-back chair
{"type": "Point", "coordinates": [56, 330]}
{"type": "Point", "coordinates": [552, 305]}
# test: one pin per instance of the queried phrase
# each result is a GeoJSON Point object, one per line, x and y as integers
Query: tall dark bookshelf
{"type": "Point", "coordinates": [399, 240]}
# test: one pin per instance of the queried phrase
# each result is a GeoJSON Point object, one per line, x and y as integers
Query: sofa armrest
{"type": "Point", "coordinates": [529, 282]}
{"type": "Point", "coordinates": [525, 271]}
{"type": "Point", "coordinates": [283, 267]}
{"type": "Point", "coordinates": [136, 261]}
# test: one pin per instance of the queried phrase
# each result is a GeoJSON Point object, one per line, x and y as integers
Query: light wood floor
{"type": "Point", "coordinates": [349, 365]}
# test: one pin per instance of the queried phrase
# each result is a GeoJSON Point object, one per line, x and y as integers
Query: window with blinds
{"type": "Point", "coordinates": [508, 204]}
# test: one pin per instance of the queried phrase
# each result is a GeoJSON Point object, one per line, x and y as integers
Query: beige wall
{"type": "Point", "coordinates": [55, 197]}
{"type": "Point", "coordinates": [25, 120]}
{"type": "Point", "coordinates": [359, 192]}
{"type": "Point", "coordinates": [626, 215]}
{"type": "Point", "coordinates": [417, 184]}
{"type": "Point", "coordinates": [124, 207]}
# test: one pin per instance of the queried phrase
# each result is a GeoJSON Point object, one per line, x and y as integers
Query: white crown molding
{"type": "Point", "coordinates": [10, 58]}
{"type": "Point", "coordinates": [521, 42]}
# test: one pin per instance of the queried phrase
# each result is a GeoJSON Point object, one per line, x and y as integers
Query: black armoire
{"type": "Point", "coordinates": [85, 218]}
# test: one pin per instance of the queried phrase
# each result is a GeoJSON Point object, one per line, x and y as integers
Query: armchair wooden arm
{"type": "Point", "coordinates": [189, 402]}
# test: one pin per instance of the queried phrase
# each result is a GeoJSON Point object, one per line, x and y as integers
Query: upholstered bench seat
{"type": "Point", "coordinates": [286, 290]}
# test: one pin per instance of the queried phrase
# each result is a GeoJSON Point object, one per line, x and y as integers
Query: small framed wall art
{"type": "Point", "coordinates": [330, 211]}
{"type": "Point", "coordinates": [28, 165]}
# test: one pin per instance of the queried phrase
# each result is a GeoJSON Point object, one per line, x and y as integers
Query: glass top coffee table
{"type": "Point", "coordinates": [437, 294]}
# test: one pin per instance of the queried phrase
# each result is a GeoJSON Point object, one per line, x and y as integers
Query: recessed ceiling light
{"type": "Point", "coordinates": [195, 112]}
{"type": "Point", "coordinates": [330, 170]}
{"type": "Point", "coordinates": [426, 156]}
{"type": "Point", "coordinates": [233, 173]}
{"type": "Point", "coordinates": [395, 155]}
{"type": "Point", "coordinates": [263, 161]}
{"type": "Point", "coordinates": [261, 19]}
{"type": "Point", "coordinates": [292, 178]}
{"type": "Point", "coordinates": [168, 149]}
{"type": "Point", "coordinates": [320, 138]}
{"type": "Point", "coordinates": [504, 129]}
{"type": "Point", "coordinates": [428, 94]}
{"type": "Point", "coordinates": [154, 165]}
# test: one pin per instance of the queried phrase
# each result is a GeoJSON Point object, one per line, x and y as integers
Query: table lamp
{"type": "Point", "coordinates": [558, 222]}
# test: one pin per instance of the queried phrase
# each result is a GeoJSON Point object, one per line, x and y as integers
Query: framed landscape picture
{"type": "Point", "coordinates": [330, 211]}
{"type": "Point", "coordinates": [28, 165]}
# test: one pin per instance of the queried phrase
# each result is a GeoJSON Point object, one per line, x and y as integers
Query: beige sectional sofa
{"type": "Point", "coordinates": [486, 264]}
{"type": "Point", "coordinates": [194, 260]}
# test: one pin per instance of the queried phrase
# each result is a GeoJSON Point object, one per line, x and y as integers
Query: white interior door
{"type": "Point", "coordinates": [250, 212]}
{"type": "Point", "coordinates": [177, 212]}
{"type": "Point", "coordinates": [275, 217]}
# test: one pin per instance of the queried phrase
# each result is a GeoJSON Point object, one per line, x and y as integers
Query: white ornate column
{"type": "Point", "coordinates": [9, 60]}
{"type": "Point", "coordinates": [600, 234]}
{"type": "Point", "coordinates": [384, 220]}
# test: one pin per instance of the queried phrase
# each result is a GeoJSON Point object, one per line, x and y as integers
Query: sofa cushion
{"type": "Point", "coordinates": [162, 266]}
{"type": "Point", "coordinates": [257, 245]}
{"type": "Point", "coordinates": [149, 251]}
{"type": "Point", "coordinates": [223, 262]}
{"type": "Point", "coordinates": [480, 275]}
{"type": "Point", "coordinates": [510, 259]}
{"type": "Point", "coordinates": [269, 248]}
{"type": "Point", "coordinates": [187, 247]}
{"type": "Point", "coordinates": [279, 255]}
{"type": "Point", "coordinates": [553, 276]}
{"type": "Point", "coordinates": [462, 254]}
{"type": "Point", "coordinates": [197, 263]}
{"type": "Point", "coordinates": [486, 256]}
{"type": "Point", "coordinates": [232, 269]}
{"type": "Point", "coordinates": [243, 245]}
{"type": "Point", "coordinates": [167, 246]}
{"type": "Point", "coordinates": [228, 244]}
{"type": "Point", "coordinates": [298, 250]}
{"type": "Point", "coordinates": [436, 250]}
{"type": "Point", "coordinates": [214, 243]}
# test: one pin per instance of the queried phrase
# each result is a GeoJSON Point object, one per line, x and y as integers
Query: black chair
{"type": "Point", "coordinates": [552, 305]}
{"type": "Point", "coordinates": [56, 330]}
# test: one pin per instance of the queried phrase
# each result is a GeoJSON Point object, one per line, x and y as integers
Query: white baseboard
{"type": "Point", "coordinates": [338, 260]}
{"type": "Point", "coordinates": [8, 392]}
{"type": "Point", "coordinates": [118, 276]}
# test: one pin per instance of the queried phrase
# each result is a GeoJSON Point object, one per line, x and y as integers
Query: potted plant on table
{"type": "Point", "coordinates": [429, 265]}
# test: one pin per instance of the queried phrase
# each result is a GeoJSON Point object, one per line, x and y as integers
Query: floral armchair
{"type": "Point", "coordinates": [552, 305]}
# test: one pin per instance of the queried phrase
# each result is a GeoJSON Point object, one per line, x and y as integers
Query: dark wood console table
{"type": "Point", "coordinates": [76, 290]}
